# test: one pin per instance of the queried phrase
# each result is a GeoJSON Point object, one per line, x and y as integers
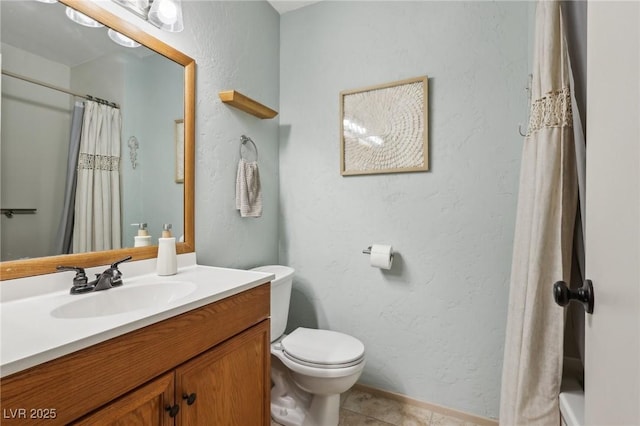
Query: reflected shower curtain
{"type": "Point", "coordinates": [542, 254]}
{"type": "Point", "coordinates": [97, 208]}
{"type": "Point", "coordinates": [64, 237]}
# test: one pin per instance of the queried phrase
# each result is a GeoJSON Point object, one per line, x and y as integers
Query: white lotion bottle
{"type": "Point", "coordinates": [143, 239]}
{"type": "Point", "coordinates": [167, 262]}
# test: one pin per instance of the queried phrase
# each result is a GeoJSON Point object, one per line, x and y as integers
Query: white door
{"type": "Point", "coordinates": [612, 360]}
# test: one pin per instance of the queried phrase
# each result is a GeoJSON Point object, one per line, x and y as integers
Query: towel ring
{"type": "Point", "coordinates": [243, 140]}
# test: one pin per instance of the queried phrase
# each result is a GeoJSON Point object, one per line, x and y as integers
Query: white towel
{"type": "Point", "coordinates": [248, 190]}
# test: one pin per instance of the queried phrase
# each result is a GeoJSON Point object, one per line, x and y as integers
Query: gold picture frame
{"type": "Point", "coordinates": [179, 145]}
{"type": "Point", "coordinates": [384, 128]}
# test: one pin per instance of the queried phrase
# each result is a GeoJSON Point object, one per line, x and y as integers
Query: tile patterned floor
{"type": "Point", "coordinates": [360, 408]}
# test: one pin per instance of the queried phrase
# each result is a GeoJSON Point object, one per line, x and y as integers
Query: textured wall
{"type": "Point", "coordinates": [434, 325]}
{"type": "Point", "coordinates": [236, 46]}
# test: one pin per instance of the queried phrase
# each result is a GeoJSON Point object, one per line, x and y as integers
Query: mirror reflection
{"type": "Point", "coordinates": [92, 136]}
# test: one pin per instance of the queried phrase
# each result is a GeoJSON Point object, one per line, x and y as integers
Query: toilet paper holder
{"type": "Point", "coordinates": [380, 255]}
{"type": "Point", "coordinates": [368, 251]}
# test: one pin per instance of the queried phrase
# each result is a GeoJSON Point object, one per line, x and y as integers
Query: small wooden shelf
{"type": "Point", "coordinates": [246, 104]}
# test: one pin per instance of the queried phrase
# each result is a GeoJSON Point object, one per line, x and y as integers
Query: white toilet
{"type": "Point", "coordinates": [309, 368]}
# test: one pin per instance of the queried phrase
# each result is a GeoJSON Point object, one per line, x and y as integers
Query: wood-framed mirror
{"type": "Point", "coordinates": [12, 269]}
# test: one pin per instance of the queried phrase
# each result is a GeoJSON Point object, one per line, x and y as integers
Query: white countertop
{"type": "Point", "coordinates": [31, 335]}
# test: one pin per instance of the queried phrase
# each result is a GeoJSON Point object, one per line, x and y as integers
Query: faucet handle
{"type": "Point", "coordinates": [80, 278]}
{"type": "Point", "coordinates": [114, 265]}
{"type": "Point", "coordinates": [114, 272]}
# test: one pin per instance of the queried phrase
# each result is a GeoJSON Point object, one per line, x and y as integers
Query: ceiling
{"type": "Point", "coordinates": [283, 6]}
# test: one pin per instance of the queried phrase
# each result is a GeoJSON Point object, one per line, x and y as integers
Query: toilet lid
{"type": "Point", "coordinates": [322, 347]}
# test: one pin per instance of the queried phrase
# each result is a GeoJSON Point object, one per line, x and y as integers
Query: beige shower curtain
{"type": "Point", "coordinates": [548, 195]}
{"type": "Point", "coordinates": [97, 207]}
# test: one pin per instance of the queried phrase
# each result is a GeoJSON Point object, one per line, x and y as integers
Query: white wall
{"type": "Point", "coordinates": [33, 155]}
{"type": "Point", "coordinates": [103, 77]}
{"type": "Point", "coordinates": [434, 325]}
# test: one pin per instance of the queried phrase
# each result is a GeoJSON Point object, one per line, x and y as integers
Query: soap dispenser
{"type": "Point", "coordinates": [143, 238]}
{"type": "Point", "coordinates": [167, 262]}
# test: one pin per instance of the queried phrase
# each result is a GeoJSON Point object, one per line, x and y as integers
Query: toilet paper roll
{"type": "Point", "coordinates": [381, 256]}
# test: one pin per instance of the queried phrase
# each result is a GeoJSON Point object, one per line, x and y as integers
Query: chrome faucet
{"type": "Point", "coordinates": [111, 277]}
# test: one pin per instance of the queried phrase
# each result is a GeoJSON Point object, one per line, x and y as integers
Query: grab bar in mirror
{"type": "Point", "coordinates": [10, 212]}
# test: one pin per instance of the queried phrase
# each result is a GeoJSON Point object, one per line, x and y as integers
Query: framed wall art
{"type": "Point", "coordinates": [383, 128]}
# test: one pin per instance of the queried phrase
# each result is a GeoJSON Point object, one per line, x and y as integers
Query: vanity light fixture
{"type": "Point", "coordinates": [139, 7]}
{"type": "Point", "coordinates": [82, 19]}
{"type": "Point", "coordinates": [167, 15]}
{"type": "Point", "coordinates": [122, 40]}
{"type": "Point", "coordinates": [164, 14]}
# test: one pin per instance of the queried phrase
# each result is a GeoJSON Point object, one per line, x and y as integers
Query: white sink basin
{"type": "Point", "coordinates": [124, 299]}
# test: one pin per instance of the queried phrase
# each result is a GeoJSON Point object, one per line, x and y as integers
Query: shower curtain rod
{"type": "Point", "coordinates": [60, 89]}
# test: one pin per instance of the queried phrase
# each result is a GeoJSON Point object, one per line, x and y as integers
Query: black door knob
{"type": "Point", "coordinates": [191, 398]}
{"type": "Point", "coordinates": [563, 295]}
{"type": "Point", "coordinates": [173, 411]}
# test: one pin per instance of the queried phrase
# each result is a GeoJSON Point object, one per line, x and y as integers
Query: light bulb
{"type": "Point", "coordinates": [166, 15]}
{"type": "Point", "coordinates": [121, 39]}
{"type": "Point", "coordinates": [82, 19]}
{"type": "Point", "coordinates": [167, 12]}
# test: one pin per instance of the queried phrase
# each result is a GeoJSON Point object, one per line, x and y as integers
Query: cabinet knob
{"type": "Point", "coordinates": [173, 411]}
{"type": "Point", "coordinates": [191, 398]}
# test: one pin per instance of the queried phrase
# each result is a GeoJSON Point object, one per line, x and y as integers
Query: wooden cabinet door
{"type": "Point", "coordinates": [145, 406]}
{"type": "Point", "coordinates": [229, 385]}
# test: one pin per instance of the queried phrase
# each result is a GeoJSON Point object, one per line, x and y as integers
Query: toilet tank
{"type": "Point", "coordinates": [280, 297]}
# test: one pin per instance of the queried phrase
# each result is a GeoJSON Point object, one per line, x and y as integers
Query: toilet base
{"type": "Point", "coordinates": [291, 406]}
{"type": "Point", "coordinates": [324, 411]}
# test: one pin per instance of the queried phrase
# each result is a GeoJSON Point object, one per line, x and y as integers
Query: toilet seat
{"type": "Point", "coordinates": [324, 349]}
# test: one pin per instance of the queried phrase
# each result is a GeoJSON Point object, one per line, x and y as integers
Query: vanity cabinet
{"type": "Point", "coordinates": [213, 363]}
{"type": "Point", "coordinates": [144, 406]}
{"type": "Point", "coordinates": [219, 387]}
{"type": "Point", "coordinates": [226, 386]}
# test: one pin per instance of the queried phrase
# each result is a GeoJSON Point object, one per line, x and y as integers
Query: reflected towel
{"type": "Point", "coordinates": [248, 190]}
